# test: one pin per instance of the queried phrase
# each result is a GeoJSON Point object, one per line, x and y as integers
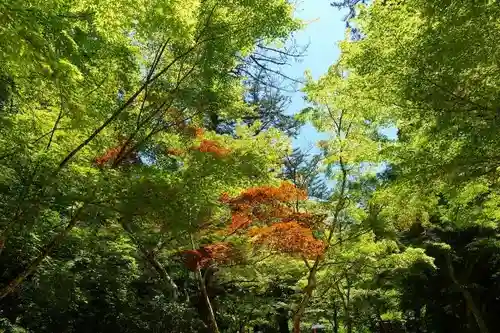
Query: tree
{"type": "Point", "coordinates": [436, 100]}
{"type": "Point", "coordinates": [422, 67]}
{"type": "Point", "coordinates": [147, 182]}
{"type": "Point", "coordinates": [266, 83]}
{"type": "Point", "coordinates": [305, 172]}
{"type": "Point", "coordinates": [101, 108]}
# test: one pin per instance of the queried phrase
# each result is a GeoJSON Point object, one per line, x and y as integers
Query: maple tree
{"type": "Point", "coordinates": [213, 147]}
{"type": "Point", "coordinates": [265, 204]}
{"type": "Point", "coordinates": [271, 213]}
{"type": "Point", "coordinates": [148, 181]}
{"type": "Point", "coordinates": [77, 75]}
{"type": "Point", "coordinates": [110, 157]}
{"type": "Point", "coordinates": [212, 254]}
{"type": "Point", "coordinates": [290, 238]}
{"type": "Point", "coordinates": [267, 216]}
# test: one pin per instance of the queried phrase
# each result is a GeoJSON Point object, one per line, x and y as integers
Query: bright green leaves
{"type": "Point", "coordinates": [106, 173]}
{"type": "Point", "coordinates": [69, 71]}
{"type": "Point", "coordinates": [433, 66]}
{"type": "Point", "coordinates": [338, 111]}
{"type": "Point", "coordinates": [426, 67]}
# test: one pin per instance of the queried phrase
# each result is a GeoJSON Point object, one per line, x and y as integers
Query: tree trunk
{"type": "Point", "coordinates": [203, 287]}
{"type": "Point", "coordinates": [311, 280]}
{"type": "Point", "coordinates": [204, 293]}
{"type": "Point", "coordinates": [282, 321]}
{"type": "Point", "coordinates": [348, 326]}
{"type": "Point", "coordinates": [335, 323]}
{"type": "Point", "coordinates": [33, 266]}
{"type": "Point", "coordinates": [469, 300]}
{"type": "Point", "coordinates": [347, 308]}
{"type": "Point", "coordinates": [151, 259]}
{"type": "Point", "coordinates": [308, 291]}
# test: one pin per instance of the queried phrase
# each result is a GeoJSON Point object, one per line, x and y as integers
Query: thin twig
{"type": "Point", "coordinates": [59, 116]}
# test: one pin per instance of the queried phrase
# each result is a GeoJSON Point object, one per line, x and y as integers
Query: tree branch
{"type": "Point", "coordinates": [59, 116]}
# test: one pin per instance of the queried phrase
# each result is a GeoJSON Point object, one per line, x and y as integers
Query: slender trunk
{"type": "Point", "coordinates": [163, 274]}
{"type": "Point", "coordinates": [213, 321]}
{"type": "Point", "coordinates": [308, 291]}
{"type": "Point", "coordinates": [58, 120]}
{"type": "Point", "coordinates": [151, 259]}
{"type": "Point", "coordinates": [335, 320]}
{"type": "Point", "coordinates": [348, 325]}
{"type": "Point", "coordinates": [33, 266]}
{"type": "Point", "coordinates": [311, 281]}
{"type": "Point", "coordinates": [282, 321]}
{"type": "Point", "coordinates": [469, 300]}
{"type": "Point", "coordinates": [475, 311]}
{"type": "Point", "coordinates": [347, 308]}
{"type": "Point", "coordinates": [345, 301]}
{"type": "Point", "coordinates": [203, 287]}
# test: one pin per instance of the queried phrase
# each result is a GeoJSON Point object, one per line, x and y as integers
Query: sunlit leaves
{"type": "Point", "coordinates": [210, 255]}
{"type": "Point", "coordinates": [290, 238]}
{"type": "Point", "coordinates": [264, 204]}
{"type": "Point", "coordinates": [274, 220]}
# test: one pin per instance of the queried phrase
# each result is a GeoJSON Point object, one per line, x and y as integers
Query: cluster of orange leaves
{"type": "Point", "coordinates": [217, 253]}
{"type": "Point", "coordinates": [279, 226]}
{"type": "Point", "coordinates": [205, 146]}
{"type": "Point", "coordinates": [213, 147]}
{"type": "Point", "coordinates": [192, 131]}
{"type": "Point", "coordinates": [285, 229]}
{"type": "Point", "coordinates": [289, 237]}
{"type": "Point", "coordinates": [112, 153]}
{"type": "Point", "coordinates": [264, 204]}
{"type": "Point", "coordinates": [109, 155]}
{"type": "Point", "coordinates": [174, 151]}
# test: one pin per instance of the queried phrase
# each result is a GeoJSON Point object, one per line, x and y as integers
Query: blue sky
{"type": "Point", "coordinates": [325, 30]}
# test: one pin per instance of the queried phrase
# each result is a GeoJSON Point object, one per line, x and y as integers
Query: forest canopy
{"type": "Point", "coordinates": [149, 181]}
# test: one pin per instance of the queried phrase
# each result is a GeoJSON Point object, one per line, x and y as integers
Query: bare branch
{"type": "Point", "coordinates": [283, 52]}
{"type": "Point", "coordinates": [267, 69]}
{"type": "Point", "coordinates": [59, 116]}
{"type": "Point", "coordinates": [156, 60]}
{"type": "Point", "coordinates": [306, 262]}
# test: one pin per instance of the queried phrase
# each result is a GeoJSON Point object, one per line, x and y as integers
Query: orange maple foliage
{"type": "Point", "coordinates": [289, 237]}
{"type": "Point", "coordinates": [264, 204]}
{"type": "Point", "coordinates": [221, 252]}
{"type": "Point", "coordinates": [112, 153]}
{"type": "Point", "coordinates": [213, 147]}
{"type": "Point", "coordinates": [174, 151]}
{"type": "Point", "coordinates": [285, 229]}
{"type": "Point", "coordinates": [109, 155]}
{"type": "Point", "coordinates": [279, 225]}
{"type": "Point", "coordinates": [199, 132]}
{"type": "Point", "coordinates": [303, 218]}
{"type": "Point", "coordinates": [286, 192]}
{"type": "Point", "coordinates": [240, 221]}
{"type": "Point", "coordinates": [192, 131]}
{"type": "Point", "coordinates": [217, 253]}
